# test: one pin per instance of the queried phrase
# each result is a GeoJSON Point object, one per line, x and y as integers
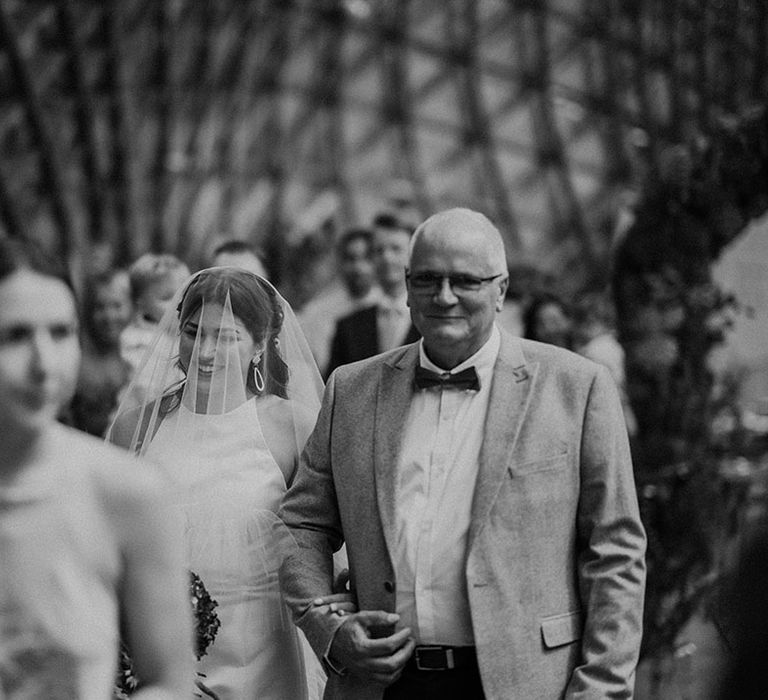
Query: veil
{"type": "Point", "coordinates": [225, 396]}
{"type": "Point", "coordinates": [200, 365]}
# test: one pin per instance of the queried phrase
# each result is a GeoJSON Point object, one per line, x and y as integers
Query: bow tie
{"type": "Point", "coordinates": [466, 379]}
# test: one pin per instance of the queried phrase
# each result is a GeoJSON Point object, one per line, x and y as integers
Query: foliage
{"type": "Point", "coordinates": [671, 317]}
{"type": "Point", "coordinates": [206, 626]}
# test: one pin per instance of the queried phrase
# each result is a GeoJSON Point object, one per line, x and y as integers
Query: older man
{"type": "Point", "coordinates": [483, 486]}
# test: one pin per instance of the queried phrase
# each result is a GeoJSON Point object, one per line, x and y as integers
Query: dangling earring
{"type": "Point", "coordinates": [258, 377]}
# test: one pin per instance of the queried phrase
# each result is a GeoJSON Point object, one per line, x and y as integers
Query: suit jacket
{"type": "Point", "coordinates": [555, 563]}
{"type": "Point", "coordinates": [357, 337]}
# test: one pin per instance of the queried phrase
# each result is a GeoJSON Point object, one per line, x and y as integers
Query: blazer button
{"type": "Point", "coordinates": [389, 587]}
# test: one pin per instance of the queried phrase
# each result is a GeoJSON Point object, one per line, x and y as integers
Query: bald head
{"type": "Point", "coordinates": [456, 284]}
{"type": "Point", "coordinates": [463, 227]}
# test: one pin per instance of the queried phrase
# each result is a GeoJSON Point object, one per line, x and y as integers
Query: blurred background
{"type": "Point", "coordinates": [621, 146]}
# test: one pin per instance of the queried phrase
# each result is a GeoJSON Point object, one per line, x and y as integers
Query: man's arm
{"type": "Point", "coordinates": [153, 592]}
{"type": "Point", "coordinates": [350, 642]}
{"type": "Point", "coordinates": [310, 511]}
{"type": "Point", "coordinates": [611, 551]}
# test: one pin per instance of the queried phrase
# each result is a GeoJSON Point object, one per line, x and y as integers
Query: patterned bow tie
{"type": "Point", "coordinates": [466, 379]}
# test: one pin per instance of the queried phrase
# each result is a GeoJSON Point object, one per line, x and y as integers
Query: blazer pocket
{"type": "Point", "coordinates": [558, 630]}
{"type": "Point", "coordinates": [540, 464]}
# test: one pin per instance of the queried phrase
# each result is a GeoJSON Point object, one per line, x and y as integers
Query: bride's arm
{"type": "Point", "coordinates": [282, 422]}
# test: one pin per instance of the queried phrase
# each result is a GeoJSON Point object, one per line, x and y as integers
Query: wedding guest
{"type": "Point", "coordinates": [483, 487]}
{"type": "Point", "coordinates": [594, 337]}
{"type": "Point", "coordinates": [357, 289]}
{"type": "Point", "coordinates": [237, 253]}
{"type": "Point", "coordinates": [228, 432]}
{"type": "Point", "coordinates": [548, 320]}
{"type": "Point", "coordinates": [386, 325]}
{"type": "Point", "coordinates": [155, 278]}
{"type": "Point", "coordinates": [103, 373]}
{"type": "Point", "coordinates": [85, 537]}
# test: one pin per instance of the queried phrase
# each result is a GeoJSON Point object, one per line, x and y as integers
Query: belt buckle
{"type": "Point", "coordinates": [441, 659]}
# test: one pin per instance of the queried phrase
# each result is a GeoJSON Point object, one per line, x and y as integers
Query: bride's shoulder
{"type": "Point", "coordinates": [286, 412]}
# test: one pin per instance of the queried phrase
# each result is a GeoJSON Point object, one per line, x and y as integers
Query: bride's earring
{"type": "Point", "coordinates": [258, 377]}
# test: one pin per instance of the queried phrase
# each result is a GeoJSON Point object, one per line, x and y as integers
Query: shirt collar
{"type": "Point", "coordinates": [483, 360]}
{"type": "Point", "coordinates": [399, 304]}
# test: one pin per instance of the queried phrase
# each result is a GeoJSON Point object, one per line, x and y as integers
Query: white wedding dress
{"type": "Point", "coordinates": [229, 488]}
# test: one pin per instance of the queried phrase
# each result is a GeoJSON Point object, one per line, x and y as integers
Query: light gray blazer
{"type": "Point", "coordinates": [555, 567]}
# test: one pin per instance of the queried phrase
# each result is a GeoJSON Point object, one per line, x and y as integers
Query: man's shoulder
{"type": "Point", "coordinates": [371, 366]}
{"type": "Point", "coordinates": [556, 359]}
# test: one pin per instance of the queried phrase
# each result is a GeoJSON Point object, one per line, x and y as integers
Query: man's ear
{"type": "Point", "coordinates": [503, 284]}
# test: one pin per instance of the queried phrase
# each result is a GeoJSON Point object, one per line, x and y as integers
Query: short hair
{"type": "Point", "coordinates": [354, 234]}
{"type": "Point", "coordinates": [236, 246]}
{"type": "Point", "coordinates": [16, 255]}
{"type": "Point", "coordinates": [151, 268]}
{"type": "Point", "coordinates": [392, 222]}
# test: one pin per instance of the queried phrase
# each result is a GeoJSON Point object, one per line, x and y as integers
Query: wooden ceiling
{"type": "Point", "coordinates": [167, 124]}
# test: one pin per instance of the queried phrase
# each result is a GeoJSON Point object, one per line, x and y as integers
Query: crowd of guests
{"type": "Point", "coordinates": [362, 312]}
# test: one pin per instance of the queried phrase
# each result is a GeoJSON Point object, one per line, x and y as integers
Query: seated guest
{"type": "Point", "coordinates": [388, 324]}
{"type": "Point", "coordinates": [237, 253]}
{"type": "Point", "coordinates": [547, 320]}
{"type": "Point", "coordinates": [103, 371]}
{"type": "Point", "coordinates": [154, 280]}
{"type": "Point", "coordinates": [357, 289]}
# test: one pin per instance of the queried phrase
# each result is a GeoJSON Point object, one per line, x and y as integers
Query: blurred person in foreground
{"type": "Point", "coordinates": [107, 310]}
{"type": "Point", "coordinates": [483, 486]}
{"type": "Point", "coordinates": [230, 394]}
{"type": "Point", "coordinates": [387, 324]}
{"type": "Point", "coordinates": [155, 278]}
{"type": "Point", "coordinates": [357, 290]}
{"type": "Point", "coordinates": [85, 536]}
{"type": "Point", "coordinates": [237, 253]}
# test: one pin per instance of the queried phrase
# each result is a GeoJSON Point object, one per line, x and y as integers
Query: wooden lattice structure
{"type": "Point", "coordinates": [166, 123]}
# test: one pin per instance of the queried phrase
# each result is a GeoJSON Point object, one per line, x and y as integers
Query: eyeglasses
{"type": "Point", "coordinates": [431, 282]}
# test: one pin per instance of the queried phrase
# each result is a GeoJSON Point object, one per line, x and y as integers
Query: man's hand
{"type": "Point", "coordinates": [357, 648]}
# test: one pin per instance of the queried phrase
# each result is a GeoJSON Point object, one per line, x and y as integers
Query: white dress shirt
{"type": "Point", "coordinates": [435, 484]}
{"type": "Point", "coordinates": [392, 321]}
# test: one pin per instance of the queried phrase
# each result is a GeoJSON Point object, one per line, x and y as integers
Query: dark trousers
{"type": "Point", "coordinates": [456, 684]}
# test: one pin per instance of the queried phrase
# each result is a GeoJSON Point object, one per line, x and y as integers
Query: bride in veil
{"type": "Point", "coordinates": [229, 394]}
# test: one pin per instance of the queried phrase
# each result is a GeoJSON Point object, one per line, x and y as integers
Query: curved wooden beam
{"type": "Point", "coordinates": [533, 53]}
{"type": "Point", "coordinates": [398, 112]}
{"type": "Point", "coordinates": [51, 171]}
{"type": "Point", "coordinates": [85, 119]}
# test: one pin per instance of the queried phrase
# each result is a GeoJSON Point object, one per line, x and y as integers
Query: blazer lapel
{"type": "Point", "coordinates": [391, 411]}
{"type": "Point", "coordinates": [513, 380]}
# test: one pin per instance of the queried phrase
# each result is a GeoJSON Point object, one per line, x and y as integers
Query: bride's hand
{"type": "Point", "coordinates": [339, 603]}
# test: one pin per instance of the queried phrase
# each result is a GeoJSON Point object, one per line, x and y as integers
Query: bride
{"type": "Point", "coordinates": [233, 395]}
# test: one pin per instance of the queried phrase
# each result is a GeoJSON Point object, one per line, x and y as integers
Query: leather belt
{"type": "Point", "coordinates": [442, 658]}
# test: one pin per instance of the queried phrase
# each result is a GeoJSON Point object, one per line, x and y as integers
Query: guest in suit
{"type": "Point", "coordinates": [483, 486]}
{"type": "Point", "coordinates": [355, 289]}
{"type": "Point", "coordinates": [388, 324]}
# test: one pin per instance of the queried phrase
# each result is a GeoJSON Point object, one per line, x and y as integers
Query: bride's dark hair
{"type": "Point", "coordinates": [255, 303]}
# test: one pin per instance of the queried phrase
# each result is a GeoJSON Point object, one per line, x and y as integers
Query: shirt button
{"type": "Point", "coordinates": [389, 587]}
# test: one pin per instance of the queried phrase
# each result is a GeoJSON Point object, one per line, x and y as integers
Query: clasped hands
{"type": "Point", "coordinates": [360, 645]}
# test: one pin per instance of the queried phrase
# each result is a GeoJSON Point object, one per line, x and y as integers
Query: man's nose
{"type": "Point", "coordinates": [444, 294]}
